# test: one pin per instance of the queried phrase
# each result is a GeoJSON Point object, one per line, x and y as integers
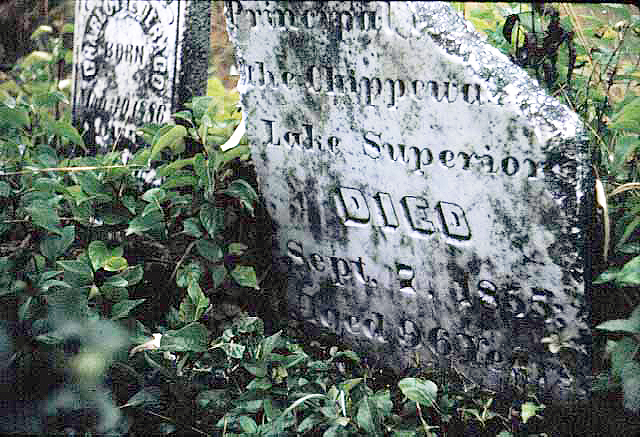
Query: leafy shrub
{"type": "Point", "coordinates": [69, 278]}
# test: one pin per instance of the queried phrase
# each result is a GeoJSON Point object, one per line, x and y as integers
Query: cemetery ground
{"type": "Point", "coordinates": [130, 307]}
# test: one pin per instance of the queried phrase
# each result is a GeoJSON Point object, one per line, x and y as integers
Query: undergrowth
{"type": "Point", "coordinates": [130, 307]}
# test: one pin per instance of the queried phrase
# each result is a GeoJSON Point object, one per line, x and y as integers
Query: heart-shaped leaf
{"type": "Point", "coordinates": [422, 392]}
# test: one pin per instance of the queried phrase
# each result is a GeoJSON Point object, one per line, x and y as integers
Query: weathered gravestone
{"type": "Point", "coordinates": [136, 62]}
{"type": "Point", "coordinates": [429, 197]}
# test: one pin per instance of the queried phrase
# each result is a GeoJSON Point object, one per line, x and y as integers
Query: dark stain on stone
{"type": "Point", "coordinates": [313, 209]}
{"type": "Point", "coordinates": [335, 229]}
{"type": "Point", "coordinates": [290, 120]}
{"type": "Point", "coordinates": [511, 130]}
{"type": "Point", "coordinates": [474, 264]}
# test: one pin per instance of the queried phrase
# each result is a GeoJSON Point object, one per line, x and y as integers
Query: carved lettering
{"type": "Point", "coordinates": [416, 210]}
{"type": "Point", "coordinates": [298, 139]}
{"type": "Point", "coordinates": [416, 158]}
{"type": "Point", "coordinates": [354, 210]}
{"type": "Point", "coordinates": [454, 220]}
{"type": "Point", "coordinates": [343, 23]}
{"type": "Point", "coordinates": [406, 275]}
{"type": "Point", "coordinates": [343, 271]}
{"type": "Point", "coordinates": [385, 204]}
{"type": "Point", "coordinates": [409, 334]}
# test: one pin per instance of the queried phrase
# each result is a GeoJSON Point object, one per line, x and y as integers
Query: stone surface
{"type": "Point", "coordinates": [136, 62]}
{"type": "Point", "coordinates": [429, 196]}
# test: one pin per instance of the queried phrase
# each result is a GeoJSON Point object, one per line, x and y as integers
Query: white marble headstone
{"type": "Point", "coordinates": [136, 62]}
{"type": "Point", "coordinates": [429, 197]}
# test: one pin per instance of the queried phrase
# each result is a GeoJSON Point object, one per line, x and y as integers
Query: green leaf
{"type": "Point", "coordinates": [241, 190]}
{"type": "Point", "coordinates": [41, 30]}
{"type": "Point", "coordinates": [116, 281]}
{"type": "Point", "coordinates": [191, 338]}
{"type": "Point", "coordinates": [132, 275]}
{"type": "Point", "coordinates": [173, 138]}
{"type": "Point", "coordinates": [233, 350]}
{"type": "Point", "coordinates": [25, 310]}
{"type": "Point", "coordinates": [55, 246]}
{"type": "Point", "coordinates": [5, 189]}
{"type": "Point", "coordinates": [212, 219]}
{"type": "Point", "coordinates": [245, 276]}
{"type": "Point", "coordinates": [403, 433]}
{"type": "Point", "coordinates": [247, 424]}
{"type": "Point", "coordinates": [423, 392]}
{"type": "Point", "coordinates": [124, 307]}
{"type": "Point", "coordinates": [259, 370]}
{"type": "Point", "coordinates": [186, 311]}
{"type": "Point", "coordinates": [269, 343]}
{"type": "Point", "coordinates": [154, 195]}
{"type": "Point", "coordinates": [115, 264]}
{"type": "Point", "coordinates": [235, 138]}
{"type": "Point", "coordinates": [14, 117]}
{"type": "Point", "coordinates": [218, 273]}
{"type": "Point", "coordinates": [130, 203]}
{"type": "Point", "coordinates": [630, 273]}
{"type": "Point", "coordinates": [382, 400]}
{"type": "Point", "coordinates": [114, 294]}
{"type": "Point", "coordinates": [347, 354]}
{"type": "Point", "coordinates": [628, 118]}
{"type": "Point", "coordinates": [143, 223]}
{"type": "Point", "coordinates": [364, 417]}
{"type": "Point", "coordinates": [180, 180]}
{"type": "Point", "coordinates": [49, 99]}
{"type": "Point", "coordinates": [200, 167]}
{"type": "Point", "coordinates": [631, 386]}
{"type": "Point", "coordinates": [145, 397]}
{"type": "Point", "coordinates": [190, 273]}
{"type": "Point", "coordinates": [191, 227]}
{"type": "Point", "coordinates": [237, 248]}
{"type": "Point", "coordinates": [42, 214]}
{"type": "Point", "coordinates": [172, 167]}
{"type": "Point", "coordinates": [46, 285]}
{"type": "Point", "coordinates": [260, 384]}
{"type": "Point", "coordinates": [623, 353]}
{"type": "Point", "coordinates": [308, 423]}
{"type": "Point", "coordinates": [209, 250]}
{"type": "Point", "coordinates": [529, 409]}
{"type": "Point", "coordinates": [249, 325]}
{"type": "Point", "coordinates": [78, 267]}
{"type": "Point", "coordinates": [98, 254]}
{"type": "Point", "coordinates": [200, 105]}
{"type": "Point", "coordinates": [302, 400]}
{"type": "Point", "coordinates": [91, 184]}
{"type": "Point", "coordinates": [65, 130]}
{"type": "Point", "coordinates": [199, 300]}
{"type": "Point", "coordinates": [621, 325]}
{"type": "Point", "coordinates": [217, 401]}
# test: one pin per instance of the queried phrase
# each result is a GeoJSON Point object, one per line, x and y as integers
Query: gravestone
{"type": "Point", "coordinates": [136, 62]}
{"type": "Point", "coordinates": [429, 197]}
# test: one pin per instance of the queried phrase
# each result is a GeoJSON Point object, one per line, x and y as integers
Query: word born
{"type": "Point", "coordinates": [353, 210]}
{"type": "Point", "coordinates": [95, 47]}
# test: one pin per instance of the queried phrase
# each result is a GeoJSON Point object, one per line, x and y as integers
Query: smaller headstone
{"type": "Point", "coordinates": [136, 62]}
